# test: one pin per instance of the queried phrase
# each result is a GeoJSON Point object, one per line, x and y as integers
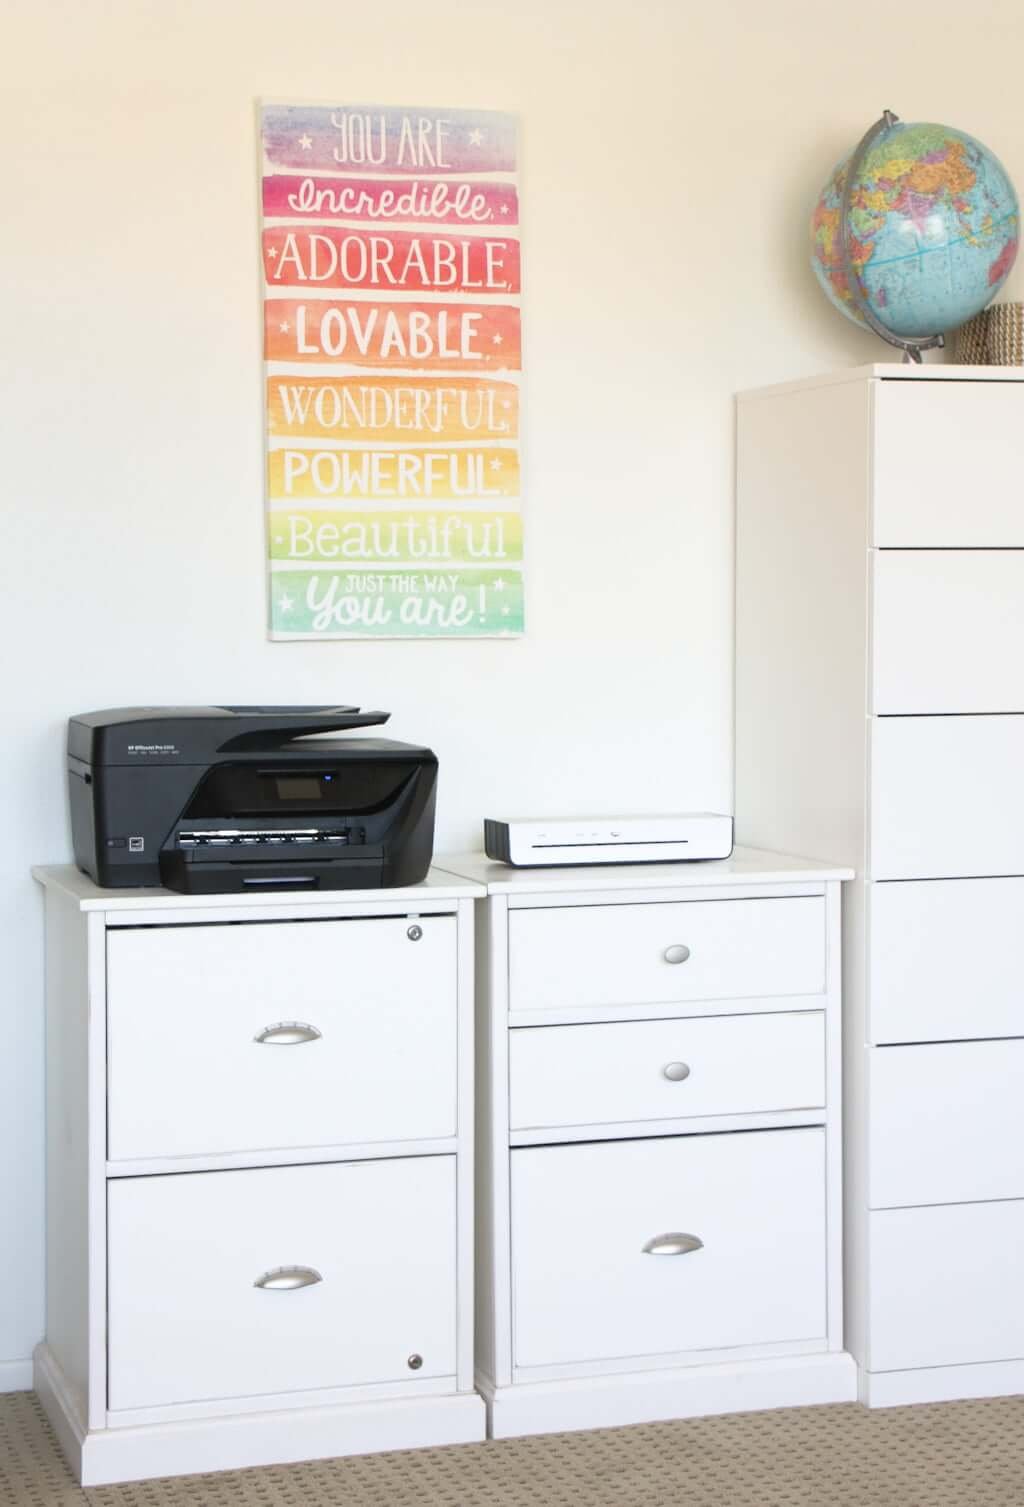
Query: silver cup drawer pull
{"type": "Point", "coordinates": [288, 1278]}
{"type": "Point", "coordinates": [675, 1072]}
{"type": "Point", "coordinates": [673, 1245]}
{"type": "Point", "coordinates": [677, 953]}
{"type": "Point", "coordinates": [287, 1033]}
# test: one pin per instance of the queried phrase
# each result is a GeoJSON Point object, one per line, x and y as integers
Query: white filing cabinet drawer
{"type": "Point", "coordinates": [947, 797]}
{"type": "Point", "coordinates": [945, 1285]}
{"type": "Point", "coordinates": [946, 1123]}
{"type": "Point", "coordinates": [562, 957]}
{"type": "Point", "coordinates": [948, 631]}
{"type": "Point", "coordinates": [188, 1321]}
{"type": "Point", "coordinates": [665, 1069]}
{"type": "Point", "coordinates": [947, 458]}
{"type": "Point", "coordinates": [280, 1034]}
{"type": "Point", "coordinates": [586, 1289]}
{"type": "Point", "coordinates": [944, 961]}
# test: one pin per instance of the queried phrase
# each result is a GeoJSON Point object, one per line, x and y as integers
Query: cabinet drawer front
{"type": "Point", "coordinates": [947, 797]}
{"type": "Point", "coordinates": [945, 1286]}
{"type": "Point", "coordinates": [187, 1323]}
{"type": "Point", "coordinates": [945, 959]}
{"type": "Point", "coordinates": [621, 954]}
{"type": "Point", "coordinates": [948, 631]}
{"type": "Point", "coordinates": [946, 1123]}
{"type": "Point", "coordinates": [948, 458]}
{"type": "Point", "coordinates": [187, 1006]}
{"type": "Point", "coordinates": [585, 1289]}
{"type": "Point", "coordinates": [665, 1069]}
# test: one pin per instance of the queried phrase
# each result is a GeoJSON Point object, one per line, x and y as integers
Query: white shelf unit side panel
{"type": "Point", "coordinates": [464, 1173]}
{"type": "Point", "coordinates": [803, 524]}
{"type": "Point", "coordinates": [493, 1256]}
{"type": "Point", "coordinates": [76, 1297]}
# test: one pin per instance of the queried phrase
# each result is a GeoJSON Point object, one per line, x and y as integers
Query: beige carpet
{"type": "Point", "coordinates": [957, 1454]}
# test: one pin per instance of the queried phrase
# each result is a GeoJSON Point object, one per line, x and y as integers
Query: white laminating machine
{"type": "Point", "coordinates": [534, 842]}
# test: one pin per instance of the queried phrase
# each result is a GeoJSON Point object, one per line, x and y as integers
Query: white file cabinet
{"type": "Point", "coordinates": [880, 723]}
{"type": "Point", "coordinates": [259, 1164]}
{"type": "Point", "coordinates": [658, 1164]}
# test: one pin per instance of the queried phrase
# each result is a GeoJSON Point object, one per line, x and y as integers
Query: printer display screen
{"type": "Point", "coordinates": [298, 787]}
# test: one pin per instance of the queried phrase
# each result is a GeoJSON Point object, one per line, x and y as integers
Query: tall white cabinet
{"type": "Point", "coordinates": [880, 724]}
{"type": "Point", "coordinates": [259, 1175]}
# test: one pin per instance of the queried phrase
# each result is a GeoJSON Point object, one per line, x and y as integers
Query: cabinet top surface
{"type": "Point", "coordinates": [890, 371]}
{"type": "Point", "coordinates": [440, 884]}
{"type": "Point", "coordinates": [745, 866]}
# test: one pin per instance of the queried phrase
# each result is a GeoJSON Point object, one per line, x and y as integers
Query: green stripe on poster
{"type": "Point", "coordinates": [396, 604]}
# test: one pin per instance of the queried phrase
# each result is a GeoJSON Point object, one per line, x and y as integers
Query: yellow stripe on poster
{"type": "Point", "coordinates": [414, 475]}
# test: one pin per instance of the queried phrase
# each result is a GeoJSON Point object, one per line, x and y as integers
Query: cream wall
{"type": "Point", "coordinates": [671, 153]}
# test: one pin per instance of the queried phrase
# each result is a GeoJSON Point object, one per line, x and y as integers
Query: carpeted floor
{"type": "Point", "coordinates": [957, 1454]}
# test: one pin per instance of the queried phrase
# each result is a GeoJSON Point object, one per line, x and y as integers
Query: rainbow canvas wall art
{"type": "Point", "coordinates": [391, 301]}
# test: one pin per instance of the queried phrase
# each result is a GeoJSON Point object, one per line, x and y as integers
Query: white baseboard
{"type": "Point", "coordinates": [234, 1441]}
{"type": "Point", "coordinates": [16, 1375]}
{"type": "Point", "coordinates": [894, 1389]}
{"type": "Point", "coordinates": [652, 1396]}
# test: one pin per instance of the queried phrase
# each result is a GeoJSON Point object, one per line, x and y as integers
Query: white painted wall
{"type": "Point", "coordinates": [672, 151]}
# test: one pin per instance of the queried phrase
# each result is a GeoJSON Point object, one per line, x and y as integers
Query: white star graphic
{"type": "Point", "coordinates": [476, 138]}
{"type": "Point", "coordinates": [284, 327]}
{"type": "Point", "coordinates": [272, 252]}
{"type": "Point", "coordinates": [306, 143]}
{"type": "Point", "coordinates": [496, 464]}
{"type": "Point", "coordinates": [505, 611]}
{"type": "Point", "coordinates": [497, 339]}
{"type": "Point", "coordinates": [499, 584]}
{"type": "Point", "coordinates": [504, 209]}
{"type": "Point", "coordinates": [506, 403]}
{"type": "Point", "coordinates": [284, 602]}
{"type": "Point", "coordinates": [278, 538]}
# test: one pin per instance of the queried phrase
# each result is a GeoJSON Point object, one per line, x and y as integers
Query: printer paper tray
{"type": "Point", "coordinates": [220, 878]}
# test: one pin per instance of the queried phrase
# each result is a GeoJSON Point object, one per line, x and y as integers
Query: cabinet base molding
{"type": "Point", "coordinates": [234, 1442]}
{"type": "Point", "coordinates": [894, 1389]}
{"type": "Point", "coordinates": [650, 1397]}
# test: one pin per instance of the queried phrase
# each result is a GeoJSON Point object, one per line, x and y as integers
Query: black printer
{"type": "Point", "coordinates": [211, 799]}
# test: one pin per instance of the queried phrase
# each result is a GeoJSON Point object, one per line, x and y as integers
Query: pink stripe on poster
{"type": "Point", "coordinates": [445, 201]}
{"type": "Point", "coordinates": [386, 260]}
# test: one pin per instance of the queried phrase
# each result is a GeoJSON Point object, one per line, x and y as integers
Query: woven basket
{"type": "Point", "coordinates": [995, 337]}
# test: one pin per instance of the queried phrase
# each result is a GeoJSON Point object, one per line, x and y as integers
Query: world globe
{"type": "Point", "coordinates": [920, 236]}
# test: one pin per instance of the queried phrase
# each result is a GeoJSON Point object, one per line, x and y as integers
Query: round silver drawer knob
{"type": "Point", "coordinates": [675, 1072]}
{"type": "Point", "coordinates": [678, 953]}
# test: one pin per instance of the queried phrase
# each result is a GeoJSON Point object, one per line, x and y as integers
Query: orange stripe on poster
{"type": "Point", "coordinates": [391, 408]}
{"type": "Point", "coordinates": [420, 337]}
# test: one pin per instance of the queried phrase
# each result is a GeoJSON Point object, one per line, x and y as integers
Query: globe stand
{"type": "Point", "coordinates": [910, 345]}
